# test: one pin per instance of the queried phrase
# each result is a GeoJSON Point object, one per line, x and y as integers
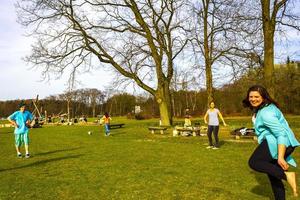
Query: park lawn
{"type": "Point", "coordinates": [67, 163]}
{"type": "Point", "coordinates": [4, 121]}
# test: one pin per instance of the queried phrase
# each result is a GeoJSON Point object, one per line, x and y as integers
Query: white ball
{"type": "Point", "coordinates": [90, 132]}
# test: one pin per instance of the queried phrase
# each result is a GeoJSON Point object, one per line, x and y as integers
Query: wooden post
{"type": "Point", "coordinates": [46, 120]}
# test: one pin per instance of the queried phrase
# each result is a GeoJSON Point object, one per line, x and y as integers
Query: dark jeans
{"type": "Point", "coordinates": [107, 129]}
{"type": "Point", "coordinates": [215, 130]}
{"type": "Point", "coordinates": [262, 161]}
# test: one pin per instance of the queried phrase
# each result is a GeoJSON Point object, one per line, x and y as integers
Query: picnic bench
{"type": "Point", "coordinates": [191, 130]}
{"type": "Point", "coordinates": [237, 137]}
{"type": "Point", "coordinates": [180, 130]}
{"type": "Point", "coordinates": [161, 129]}
{"type": "Point", "coordinates": [244, 133]}
{"type": "Point", "coordinates": [114, 126]}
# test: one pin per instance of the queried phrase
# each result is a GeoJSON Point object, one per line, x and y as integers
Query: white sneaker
{"type": "Point", "coordinates": [210, 147]}
{"type": "Point", "coordinates": [215, 148]}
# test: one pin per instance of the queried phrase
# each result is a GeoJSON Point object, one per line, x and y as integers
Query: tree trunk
{"type": "Point", "coordinates": [269, 63]}
{"type": "Point", "coordinates": [268, 31]}
{"type": "Point", "coordinates": [163, 99]}
{"type": "Point", "coordinates": [209, 85]}
{"type": "Point", "coordinates": [207, 55]}
{"type": "Point", "coordinates": [269, 20]}
{"type": "Point", "coordinates": [94, 110]}
{"type": "Point", "coordinates": [68, 109]}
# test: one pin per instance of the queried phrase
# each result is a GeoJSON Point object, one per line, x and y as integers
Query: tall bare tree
{"type": "Point", "coordinates": [273, 14]}
{"type": "Point", "coordinates": [220, 39]}
{"type": "Point", "coordinates": [139, 39]}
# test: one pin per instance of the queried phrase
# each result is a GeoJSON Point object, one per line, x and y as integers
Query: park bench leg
{"type": "Point", "coordinates": [152, 131]}
{"type": "Point", "coordinates": [162, 132]}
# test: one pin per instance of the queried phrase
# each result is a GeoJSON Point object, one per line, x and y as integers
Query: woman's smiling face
{"type": "Point", "coordinates": [255, 99]}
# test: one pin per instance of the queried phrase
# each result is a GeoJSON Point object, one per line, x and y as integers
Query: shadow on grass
{"type": "Point", "coordinates": [56, 151]}
{"type": "Point", "coordinates": [264, 187]}
{"type": "Point", "coordinates": [118, 133]}
{"type": "Point", "coordinates": [221, 143]}
{"type": "Point", "coordinates": [41, 162]}
{"type": "Point", "coordinates": [6, 131]}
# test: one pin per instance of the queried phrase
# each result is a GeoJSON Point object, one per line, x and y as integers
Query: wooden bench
{"type": "Point", "coordinates": [189, 130]}
{"type": "Point", "coordinates": [193, 130]}
{"type": "Point", "coordinates": [114, 126]}
{"type": "Point", "coordinates": [237, 137]}
{"type": "Point", "coordinates": [152, 129]}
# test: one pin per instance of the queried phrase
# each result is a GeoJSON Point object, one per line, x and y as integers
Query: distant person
{"type": "Point", "coordinates": [187, 119]}
{"type": "Point", "coordinates": [84, 119]}
{"type": "Point", "coordinates": [211, 118]}
{"type": "Point", "coordinates": [62, 119]}
{"type": "Point", "coordinates": [276, 141]}
{"type": "Point", "coordinates": [49, 119]}
{"type": "Point", "coordinates": [21, 121]}
{"type": "Point", "coordinates": [106, 120]}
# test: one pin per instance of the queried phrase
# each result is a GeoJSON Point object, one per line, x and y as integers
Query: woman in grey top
{"type": "Point", "coordinates": [213, 124]}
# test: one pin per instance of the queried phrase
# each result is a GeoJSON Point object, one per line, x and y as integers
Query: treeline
{"type": "Point", "coordinates": [92, 102]}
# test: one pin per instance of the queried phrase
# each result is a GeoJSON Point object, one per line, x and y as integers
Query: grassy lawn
{"type": "Point", "coordinates": [67, 163]}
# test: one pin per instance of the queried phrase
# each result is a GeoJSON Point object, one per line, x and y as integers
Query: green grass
{"type": "Point", "coordinates": [67, 163]}
{"type": "Point", "coordinates": [4, 121]}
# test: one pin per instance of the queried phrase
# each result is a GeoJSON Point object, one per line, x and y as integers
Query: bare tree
{"type": "Point", "coordinates": [274, 15]}
{"type": "Point", "coordinates": [222, 38]}
{"type": "Point", "coordinates": [139, 39]}
{"type": "Point", "coordinates": [68, 97]}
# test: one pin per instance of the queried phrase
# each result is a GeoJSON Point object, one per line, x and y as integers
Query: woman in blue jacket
{"type": "Point", "coordinates": [276, 141]}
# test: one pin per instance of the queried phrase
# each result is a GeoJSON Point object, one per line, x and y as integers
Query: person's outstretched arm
{"type": "Point", "coordinates": [221, 117]}
{"type": "Point", "coordinates": [205, 117]}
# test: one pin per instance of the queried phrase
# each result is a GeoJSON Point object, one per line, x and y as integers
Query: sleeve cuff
{"type": "Point", "coordinates": [282, 140]}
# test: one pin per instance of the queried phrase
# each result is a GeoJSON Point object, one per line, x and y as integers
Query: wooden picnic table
{"type": "Point", "coordinates": [116, 125]}
{"type": "Point", "coordinates": [191, 130]}
{"type": "Point", "coordinates": [237, 137]}
{"type": "Point", "coordinates": [161, 129]}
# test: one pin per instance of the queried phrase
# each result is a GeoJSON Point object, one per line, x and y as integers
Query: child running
{"type": "Point", "coordinates": [106, 119]}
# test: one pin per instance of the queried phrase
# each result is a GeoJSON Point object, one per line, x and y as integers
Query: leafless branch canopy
{"type": "Point", "coordinates": [140, 39]}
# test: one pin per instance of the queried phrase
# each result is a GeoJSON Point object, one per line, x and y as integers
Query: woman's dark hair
{"type": "Point", "coordinates": [267, 99]}
{"type": "Point", "coordinates": [106, 114]}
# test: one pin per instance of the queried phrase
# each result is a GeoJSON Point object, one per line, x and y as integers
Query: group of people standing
{"type": "Point", "coordinates": [272, 156]}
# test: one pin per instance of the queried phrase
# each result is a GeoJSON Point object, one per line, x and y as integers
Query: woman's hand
{"type": "Point", "coordinates": [15, 124]}
{"type": "Point", "coordinates": [283, 164]}
{"type": "Point", "coordinates": [281, 161]}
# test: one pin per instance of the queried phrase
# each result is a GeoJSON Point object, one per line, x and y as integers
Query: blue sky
{"type": "Point", "coordinates": [19, 81]}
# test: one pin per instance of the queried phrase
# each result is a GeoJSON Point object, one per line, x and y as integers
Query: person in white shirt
{"type": "Point", "coordinates": [212, 120]}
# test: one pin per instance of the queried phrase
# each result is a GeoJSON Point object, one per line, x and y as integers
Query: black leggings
{"type": "Point", "coordinates": [215, 130]}
{"type": "Point", "coordinates": [262, 161]}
